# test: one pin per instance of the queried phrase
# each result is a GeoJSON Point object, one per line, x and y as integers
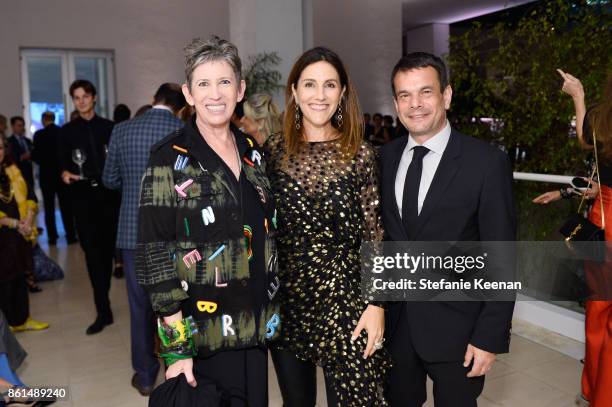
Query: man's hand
{"type": "Point", "coordinates": [25, 156]}
{"type": "Point", "coordinates": [373, 321]}
{"type": "Point", "coordinates": [184, 366]}
{"type": "Point", "coordinates": [68, 177]}
{"type": "Point", "coordinates": [483, 361]}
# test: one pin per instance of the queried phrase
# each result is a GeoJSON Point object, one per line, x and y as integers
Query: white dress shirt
{"type": "Point", "coordinates": [436, 145]}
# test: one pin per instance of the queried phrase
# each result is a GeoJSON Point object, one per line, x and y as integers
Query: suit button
{"type": "Point", "coordinates": [234, 217]}
{"type": "Point", "coordinates": [244, 283]}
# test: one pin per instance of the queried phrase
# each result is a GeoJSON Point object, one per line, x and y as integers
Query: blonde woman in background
{"type": "Point", "coordinates": [261, 117]}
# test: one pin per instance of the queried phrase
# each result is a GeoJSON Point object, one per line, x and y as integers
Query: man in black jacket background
{"type": "Point", "coordinates": [85, 140]}
{"type": "Point", "coordinates": [46, 155]}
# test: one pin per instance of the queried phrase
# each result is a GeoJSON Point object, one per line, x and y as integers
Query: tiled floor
{"type": "Point", "coordinates": [97, 368]}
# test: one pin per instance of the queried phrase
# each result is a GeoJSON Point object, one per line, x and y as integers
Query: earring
{"type": "Point", "coordinates": [339, 117]}
{"type": "Point", "coordinates": [297, 117]}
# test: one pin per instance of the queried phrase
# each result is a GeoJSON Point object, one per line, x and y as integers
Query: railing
{"type": "Point", "coordinates": [548, 315]}
{"type": "Point", "coordinates": [529, 176]}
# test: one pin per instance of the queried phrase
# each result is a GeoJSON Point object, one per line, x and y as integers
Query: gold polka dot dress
{"type": "Point", "coordinates": [326, 207]}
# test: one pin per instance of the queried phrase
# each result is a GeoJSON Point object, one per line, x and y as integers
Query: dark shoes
{"type": "Point", "coordinates": [143, 390]}
{"type": "Point", "coordinates": [99, 324]}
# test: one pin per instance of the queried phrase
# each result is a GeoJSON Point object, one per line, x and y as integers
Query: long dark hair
{"type": "Point", "coordinates": [352, 123]}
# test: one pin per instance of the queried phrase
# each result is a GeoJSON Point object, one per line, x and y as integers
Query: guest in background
{"type": "Point", "coordinates": [21, 149]}
{"type": "Point", "coordinates": [388, 127]}
{"type": "Point", "coordinates": [128, 153]}
{"type": "Point", "coordinates": [591, 124]}
{"type": "Point", "coordinates": [121, 113]}
{"type": "Point", "coordinates": [261, 117]}
{"type": "Point", "coordinates": [400, 129]}
{"type": "Point", "coordinates": [378, 136]}
{"type": "Point", "coordinates": [367, 126]}
{"type": "Point", "coordinates": [83, 144]}
{"type": "Point", "coordinates": [17, 233]}
{"type": "Point", "coordinates": [46, 154]}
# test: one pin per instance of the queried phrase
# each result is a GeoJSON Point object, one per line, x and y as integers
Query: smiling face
{"type": "Point", "coordinates": [214, 91]}
{"type": "Point", "coordinates": [84, 102]}
{"type": "Point", "coordinates": [420, 103]}
{"type": "Point", "coordinates": [318, 92]}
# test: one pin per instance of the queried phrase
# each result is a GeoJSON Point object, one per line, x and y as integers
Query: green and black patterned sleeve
{"type": "Point", "coordinates": [155, 264]}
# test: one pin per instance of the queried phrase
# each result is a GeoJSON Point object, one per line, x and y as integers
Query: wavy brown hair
{"type": "Point", "coordinates": [352, 124]}
{"type": "Point", "coordinates": [600, 119]}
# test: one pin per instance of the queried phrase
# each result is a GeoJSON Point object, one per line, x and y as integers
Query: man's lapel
{"type": "Point", "coordinates": [446, 171]}
{"type": "Point", "coordinates": [390, 195]}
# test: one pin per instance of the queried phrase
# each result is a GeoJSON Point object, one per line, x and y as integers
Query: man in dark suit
{"type": "Point", "coordinates": [21, 149]}
{"type": "Point", "coordinates": [84, 141]}
{"type": "Point", "coordinates": [128, 154]}
{"type": "Point", "coordinates": [46, 155]}
{"type": "Point", "coordinates": [440, 185]}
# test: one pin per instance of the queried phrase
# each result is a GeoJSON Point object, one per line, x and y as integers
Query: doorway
{"type": "Point", "coordinates": [46, 78]}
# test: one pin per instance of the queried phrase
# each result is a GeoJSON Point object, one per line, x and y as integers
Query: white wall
{"type": "Point", "coordinates": [258, 26]}
{"type": "Point", "coordinates": [147, 38]}
{"type": "Point", "coordinates": [432, 38]}
{"type": "Point", "coordinates": [367, 34]}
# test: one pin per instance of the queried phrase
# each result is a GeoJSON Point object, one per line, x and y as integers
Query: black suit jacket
{"type": "Point", "coordinates": [46, 154]}
{"type": "Point", "coordinates": [470, 199]}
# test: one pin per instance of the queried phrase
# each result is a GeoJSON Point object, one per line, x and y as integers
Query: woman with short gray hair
{"type": "Point", "coordinates": [206, 250]}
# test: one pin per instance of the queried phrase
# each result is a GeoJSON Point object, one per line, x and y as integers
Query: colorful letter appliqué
{"type": "Point", "coordinates": [192, 258]}
{"type": "Point", "coordinates": [271, 326]}
{"type": "Point", "coordinates": [180, 189]}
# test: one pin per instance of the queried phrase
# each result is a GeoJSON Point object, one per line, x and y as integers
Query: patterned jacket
{"type": "Point", "coordinates": [193, 252]}
{"type": "Point", "coordinates": [128, 153]}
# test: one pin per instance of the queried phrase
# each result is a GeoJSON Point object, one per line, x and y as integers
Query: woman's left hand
{"type": "Point", "coordinates": [373, 321]}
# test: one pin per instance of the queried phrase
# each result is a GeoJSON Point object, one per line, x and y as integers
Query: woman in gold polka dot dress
{"type": "Point", "coordinates": [325, 182]}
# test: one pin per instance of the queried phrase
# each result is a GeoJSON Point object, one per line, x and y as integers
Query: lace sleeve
{"type": "Point", "coordinates": [370, 194]}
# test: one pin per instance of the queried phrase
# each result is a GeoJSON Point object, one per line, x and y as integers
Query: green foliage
{"type": "Point", "coordinates": [508, 72]}
{"type": "Point", "coordinates": [260, 75]}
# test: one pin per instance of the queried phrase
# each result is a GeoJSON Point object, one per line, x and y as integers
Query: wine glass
{"type": "Point", "coordinates": [79, 157]}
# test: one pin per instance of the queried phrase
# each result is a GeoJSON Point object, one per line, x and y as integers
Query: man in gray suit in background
{"type": "Point", "coordinates": [126, 162]}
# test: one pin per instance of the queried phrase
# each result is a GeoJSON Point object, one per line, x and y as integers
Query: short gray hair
{"type": "Point", "coordinates": [199, 51]}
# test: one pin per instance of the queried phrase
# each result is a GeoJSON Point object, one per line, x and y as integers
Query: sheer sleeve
{"type": "Point", "coordinates": [370, 194]}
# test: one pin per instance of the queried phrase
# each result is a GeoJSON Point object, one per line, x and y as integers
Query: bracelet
{"type": "Point", "coordinates": [177, 339]}
{"type": "Point", "coordinates": [565, 193]}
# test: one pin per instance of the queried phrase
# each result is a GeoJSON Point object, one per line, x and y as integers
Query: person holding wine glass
{"type": "Point", "coordinates": [83, 144]}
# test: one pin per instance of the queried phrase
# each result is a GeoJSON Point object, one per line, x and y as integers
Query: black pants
{"type": "Point", "coordinates": [407, 378]}
{"type": "Point", "coordinates": [241, 374]}
{"type": "Point", "coordinates": [298, 380]}
{"type": "Point", "coordinates": [14, 300]}
{"type": "Point", "coordinates": [95, 213]}
{"type": "Point", "coordinates": [49, 190]}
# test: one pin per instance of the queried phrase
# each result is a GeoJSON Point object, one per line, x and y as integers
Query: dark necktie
{"type": "Point", "coordinates": [410, 200]}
